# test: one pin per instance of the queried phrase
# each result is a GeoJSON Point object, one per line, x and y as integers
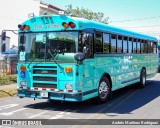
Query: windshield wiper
{"type": "Point", "coordinates": [30, 63]}
{"type": "Point", "coordinates": [54, 59]}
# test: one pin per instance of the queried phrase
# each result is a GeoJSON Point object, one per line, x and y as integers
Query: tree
{"type": "Point", "coordinates": [87, 14]}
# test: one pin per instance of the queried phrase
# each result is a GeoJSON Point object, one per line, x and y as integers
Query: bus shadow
{"type": "Point", "coordinates": [124, 101]}
{"type": "Point", "coordinates": [136, 99]}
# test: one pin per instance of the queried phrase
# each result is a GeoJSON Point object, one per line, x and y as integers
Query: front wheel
{"type": "Point", "coordinates": [143, 78]}
{"type": "Point", "coordinates": [104, 90]}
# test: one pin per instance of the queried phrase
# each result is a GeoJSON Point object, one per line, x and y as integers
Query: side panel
{"type": "Point", "coordinates": [125, 69]}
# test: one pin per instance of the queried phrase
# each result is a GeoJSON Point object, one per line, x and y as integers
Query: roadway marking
{"type": "Point", "coordinates": [62, 114]}
{"type": "Point", "coordinates": [97, 114]}
{"type": "Point", "coordinates": [8, 106]}
{"type": "Point", "coordinates": [6, 127]}
{"type": "Point", "coordinates": [12, 112]}
{"type": "Point", "coordinates": [37, 114]}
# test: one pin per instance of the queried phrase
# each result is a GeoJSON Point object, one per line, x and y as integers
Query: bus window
{"type": "Point", "coordinates": [154, 47]}
{"type": "Point", "coordinates": [113, 43]}
{"type": "Point", "coordinates": [138, 45]}
{"type": "Point", "coordinates": [125, 44]}
{"type": "Point", "coordinates": [145, 47]}
{"type": "Point", "coordinates": [119, 44]}
{"type": "Point", "coordinates": [80, 44]}
{"type": "Point", "coordinates": [142, 46]}
{"type": "Point", "coordinates": [87, 40]}
{"type": "Point", "coordinates": [134, 45]}
{"type": "Point", "coordinates": [106, 43]}
{"type": "Point", "coordinates": [130, 45]}
{"type": "Point", "coordinates": [148, 47]}
{"type": "Point", "coordinates": [98, 43]}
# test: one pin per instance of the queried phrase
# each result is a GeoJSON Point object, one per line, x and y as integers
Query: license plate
{"type": "Point", "coordinates": [24, 87]}
{"type": "Point", "coordinates": [44, 94]}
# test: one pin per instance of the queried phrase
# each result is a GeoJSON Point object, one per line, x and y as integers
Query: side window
{"type": "Point", "coordinates": [142, 46]}
{"type": "Point", "coordinates": [113, 43]}
{"type": "Point", "coordinates": [130, 45]}
{"type": "Point", "coordinates": [119, 44]}
{"type": "Point", "coordinates": [148, 47]}
{"type": "Point", "coordinates": [138, 45]}
{"type": "Point", "coordinates": [145, 47]}
{"type": "Point", "coordinates": [106, 43]}
{"type": "Point", "coordinates": [125, 44]}
{"type": "Point", "coordinates": [87, 40]}
{"type": "Point", "coordinates": [154, 47]}
{"type": "Point", "coordinates": [80, 44]}
{"type": "Point", "coordinates": [134, 45]}
{"type": "Point", "coordinates": [98, 43]}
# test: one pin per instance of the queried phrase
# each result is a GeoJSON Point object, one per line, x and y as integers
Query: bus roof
{"type": "Point", "coordinates": [54, 23]}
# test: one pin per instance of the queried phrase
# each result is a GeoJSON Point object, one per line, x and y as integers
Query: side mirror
{"type": "Point", "coordinates": [22, 39]}
{"type": "Point", "coordinates": [3, 36]}
{"type": "Point", "coordinates": [79, 56]}
{"type": "Point", "coordinates": [21, 48]}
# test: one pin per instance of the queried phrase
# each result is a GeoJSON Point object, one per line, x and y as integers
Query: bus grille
{"type": "Point", "coordinates": [45, 76]}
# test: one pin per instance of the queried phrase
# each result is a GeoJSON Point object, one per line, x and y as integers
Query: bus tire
{"type": "Point", "coordinates": [104, 90]}
{"type": "Point", "coordinates": [142, 78]}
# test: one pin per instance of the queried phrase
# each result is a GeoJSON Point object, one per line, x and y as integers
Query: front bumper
{"type": "Point", "coordinates": [62, 96]}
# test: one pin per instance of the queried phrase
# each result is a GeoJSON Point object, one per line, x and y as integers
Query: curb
{"type": "Point", "coordinates": [8, 90]}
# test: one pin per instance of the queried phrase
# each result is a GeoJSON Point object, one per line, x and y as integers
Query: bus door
{"type": "Point", "coordinates": [86, 47]}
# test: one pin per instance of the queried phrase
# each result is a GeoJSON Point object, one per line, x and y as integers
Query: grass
{"type": "Point", "coordinates": [10, 79]}
{"type": "Point", "coordinates": [7, 92]}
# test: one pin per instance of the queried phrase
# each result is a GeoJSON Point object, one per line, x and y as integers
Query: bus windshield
{"type": "Point", "coordinates": [46, 47]}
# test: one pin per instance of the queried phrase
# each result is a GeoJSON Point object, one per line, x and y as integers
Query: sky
{"type": "Point", "coordinates": [146, 11]}
{"type": "Point", "coordinates": [12, 13]}
{"type": "Point", "coordinates": [137, 15]}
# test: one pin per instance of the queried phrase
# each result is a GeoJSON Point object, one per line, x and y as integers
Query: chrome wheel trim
{"type": "Point", "coordinates": [103, 90]}
{"type": "Point", "coordinates": [143, 78]}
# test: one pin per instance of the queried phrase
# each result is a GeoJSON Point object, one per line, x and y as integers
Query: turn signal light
{"type": "Point", "coordinates": [23, 68]}
{"type": "Point", "coordinates": [65, 25]}
{"type": "Point", "coordinates": [68, 69]}
{"type": "Point", "coordinates": [26, 27]}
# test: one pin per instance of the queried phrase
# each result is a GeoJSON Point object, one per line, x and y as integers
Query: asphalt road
{"type": "Point", "coordinates": [127, 103]}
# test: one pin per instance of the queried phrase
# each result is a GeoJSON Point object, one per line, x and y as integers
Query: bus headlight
{"type": "Point", "coordinates": [23, 83]}
{"type": "Point", "coordinates": [68, 86]}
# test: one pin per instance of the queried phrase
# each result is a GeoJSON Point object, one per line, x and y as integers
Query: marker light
{"type": "Point", "coordinates": [23, 68]}
{"type": "Point", "coordinates": [72, 25]}
{"type": "Point", "coordinates": [68, 69]}
{"type": "Point", "coordinates": [65, 25]}
{"type": "Point", "coordinates": [26, 27]}
{"type": "Point", "coordinates": [21, 27]}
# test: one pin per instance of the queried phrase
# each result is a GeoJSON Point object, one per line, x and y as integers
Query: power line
{"type": "Point", "coordinates": [148, 18]}
{"type": "Point", "coordinates": [143, 26]}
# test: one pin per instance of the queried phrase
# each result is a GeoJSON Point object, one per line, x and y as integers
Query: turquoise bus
{"type": "Point", "coordinates": [72, 59]}
{"type": "Point", "coordinates": [158, 56]}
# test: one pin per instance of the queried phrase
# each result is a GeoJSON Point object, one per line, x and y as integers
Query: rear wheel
{"type": "Point", "coordinates": [143, 78]}
{"type": "Point", "coordinates": [104, 90]}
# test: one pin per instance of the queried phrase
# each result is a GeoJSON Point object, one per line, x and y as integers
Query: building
{"type": "Point", "coordinates": [20, 9]}
{"type": "Point", "coordinates": [45, 9]}
{"type": "Point", "coordinates": [7, 42]}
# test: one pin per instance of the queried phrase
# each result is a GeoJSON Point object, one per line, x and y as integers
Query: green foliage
{"type": "Point", "coordinates": [87, 14]}
{"type": "Point", "coordinates": [4, 80]}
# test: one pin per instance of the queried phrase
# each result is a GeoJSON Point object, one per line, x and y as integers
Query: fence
{"type": "Point", "coordinates": [8, 67]}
